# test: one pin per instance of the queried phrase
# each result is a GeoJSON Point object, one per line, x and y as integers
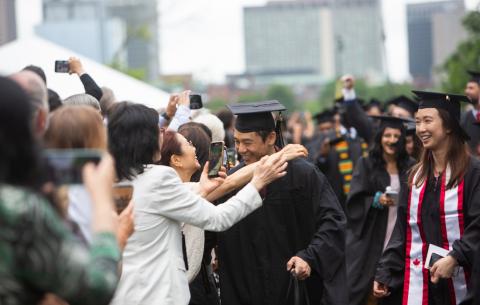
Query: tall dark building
{"type": "Point", "coordinates": [8, 25]}
{"type": "Point", "coordinates": [426, 32]}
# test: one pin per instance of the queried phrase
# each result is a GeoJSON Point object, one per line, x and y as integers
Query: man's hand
{"type": "Point", "coordinates": [380, 290]}
{"type": "Point", "coordinates": [443, 269]}
{"type": "Point", "coordinates": [299, 268]}
{"type": "Point", "coordinates": [75, 66]}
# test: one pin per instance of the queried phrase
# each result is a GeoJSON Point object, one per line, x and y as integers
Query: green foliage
{"type": "Point", "coordinates": [283, 94]}
{"type": "Point", "coordinates": [216, 104]}
{"type": "Point", "coordinates": [253, 97]}
{"type": "Point", "coordinates": [466, 57]}
{"type": "Point", "coordinates": [139, 74]}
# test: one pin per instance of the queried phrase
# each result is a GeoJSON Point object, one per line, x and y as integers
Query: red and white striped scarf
{"type": "Point", "coordinates": [415, 288]}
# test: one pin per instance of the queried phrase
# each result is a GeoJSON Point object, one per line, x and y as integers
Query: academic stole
{"type": "Point", "coordinates": [415, 286]}
{"type": "Point", "coordinates": [345, 164]}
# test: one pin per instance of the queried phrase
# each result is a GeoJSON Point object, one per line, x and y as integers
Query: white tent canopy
{"type": "Point", "coordinates": [39, 52]}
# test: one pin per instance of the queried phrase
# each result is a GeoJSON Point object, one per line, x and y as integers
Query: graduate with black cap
{"type": "Point", "coordinates": [334, 154]}
{"type": "Point", "coordinates": [472, 91]}
{"type": "Point", "coordinates": [298, 230]}
{"type": "Point", "coordinates": [403, 107]}
{"type": "Point", "coordinates": [371, 207]}
{"type": "Point", "coordinates": [441, 208]}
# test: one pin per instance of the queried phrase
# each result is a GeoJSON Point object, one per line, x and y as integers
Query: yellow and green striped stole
{"type": "Point", "coordinates": [345, 163]}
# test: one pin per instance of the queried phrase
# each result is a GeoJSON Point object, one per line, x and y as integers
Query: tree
{"type": "Point", "coordinates": [466, 57]}
{"type": "Point", "coordinates": [283, 94]}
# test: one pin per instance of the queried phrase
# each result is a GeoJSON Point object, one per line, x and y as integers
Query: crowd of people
{"type": "Point", "coordinates": [360, 204]}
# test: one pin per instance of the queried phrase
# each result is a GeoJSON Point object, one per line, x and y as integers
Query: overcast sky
{"type": "Point", "coordinates": [206, 36]}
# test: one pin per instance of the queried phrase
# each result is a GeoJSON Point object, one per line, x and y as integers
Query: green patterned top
{"type": "Point", "coordinates": [39, 254]}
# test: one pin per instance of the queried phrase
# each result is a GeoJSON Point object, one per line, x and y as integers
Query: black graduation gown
{"type": "Point", "coordinates": [472, 130]}
{"type": "Point", "coordinates": [329, 165]}
{"type": "Point", "coordinates": [300, 216]}
{"type": "Point", "coordinates": [356, 117]}
{"type": "Point", "coordinates": [366, 227]}
{"type": "Point", "coordinates": [390, 269]}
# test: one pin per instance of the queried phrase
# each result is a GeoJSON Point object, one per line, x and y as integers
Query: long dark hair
{"type": "Point", "coordinates": [376, 152]}
{"type": "Point", "coordinates": [133, 135]}
{"type": "Point", "coordinates": [458, 156]}
{"type": "Point", "coordinates": [19, 161]}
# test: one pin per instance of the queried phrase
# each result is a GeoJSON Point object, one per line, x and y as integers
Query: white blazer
{"type": "Point", "coordinates": [153, 270]}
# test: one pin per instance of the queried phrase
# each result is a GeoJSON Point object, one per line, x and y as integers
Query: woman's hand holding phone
{"type": "Point", "coordinates": [208, 184]}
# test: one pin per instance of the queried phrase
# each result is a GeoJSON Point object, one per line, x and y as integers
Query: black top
{"type": "Point", "coordinates": [91, 86]}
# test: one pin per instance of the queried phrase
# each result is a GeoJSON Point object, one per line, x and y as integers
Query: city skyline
{"type": "Point", "coordinates": [205, 37]}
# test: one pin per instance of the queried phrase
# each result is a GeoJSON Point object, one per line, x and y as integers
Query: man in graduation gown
{"type": "Point", "coordinates": [472, 91]}
{"type": "Point", "coordinates": [335, 154]}
{"type": "Point", "coordinates": [300, 227]}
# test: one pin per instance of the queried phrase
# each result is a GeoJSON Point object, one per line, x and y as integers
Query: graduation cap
{"type": "Point", "coordinates": [474, 76]}
{"type": "Point", "coordinates": [253, 117]}
{"type": "Point", "coordinates": [447, 102]}
{"type": "Point", "coordinates": [392, 122]}
{"type": "Point", "coordinates": [404, 102]}
{"type": "Point", "coordinates": [324, 116]}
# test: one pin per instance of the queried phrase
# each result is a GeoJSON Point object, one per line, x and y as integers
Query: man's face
{"type": "Point", "coordinates": [251, 146]}
{"type": "Point", "coordinates": [472, 90]}
{"type": "Point", "coordinates": [325, 127]}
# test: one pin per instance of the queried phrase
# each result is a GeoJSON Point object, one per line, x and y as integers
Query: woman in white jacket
{"type": "Point", "coordinates": [153, 265]}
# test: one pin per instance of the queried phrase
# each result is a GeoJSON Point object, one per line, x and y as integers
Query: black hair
{"type": "Point", "coordinates": [19, 162]}
{"type": "Point", "coordinates": [37, 70]}
{"type": "Point", "coordinates": [195, 132]}
{"type": "Point", "coordinates": [376, 152]}
{"type": "Point", "coordinates": [226, 116]}
{"type": "Point", "coordinates": [133, 135]}
{"type": "Point", "coordinates": [54, 100]}
{"type": "Point", "coordinates": [264, 134]}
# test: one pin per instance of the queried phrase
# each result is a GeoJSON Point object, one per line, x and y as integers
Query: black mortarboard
{"type": "Point", "coordinates": [447, 102]}
{"type": "Point", "coordinates": [474, 76]}
{"type": "Point", "coordinates": [392, 122]}
{"type": "Point", "coordinates": [411, 128]}
{"type": "Point", "coordinates": [257, 117]}
{"type": "Point", "coordinates": [404, 102]}
{"type": "Point", "coordinates": [324, 116]}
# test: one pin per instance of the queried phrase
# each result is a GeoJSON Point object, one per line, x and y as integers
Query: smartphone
{"type": "Point", "coordinates": [231, 158]}
{"type": "Point", "coordinates": [64, 166]}
{"type": "Point", "coordinates": [196, 101]}
{"type": "Point", "coordinates": [62, 66]}
{"type": "Point", "coordinates": [215, 158]}
{"type": "Point", "coordinates": [122, 194]}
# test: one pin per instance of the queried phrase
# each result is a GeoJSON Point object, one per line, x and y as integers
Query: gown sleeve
{"type": "Point", "coordinates": [464, 248]}
{"type": "Point", "coordinates": [390, 268]}
{"type": "Point", "coordinates": [360, 198]}
{"type": "Point", "coordinates": [326, 252]}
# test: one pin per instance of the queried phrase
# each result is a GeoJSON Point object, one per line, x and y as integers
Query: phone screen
{"type": "Point", "coordinates": [62, 66]}
{"type": "Point", "coordinates": [215, 159]}
{"type": "Point", "coordinates": [231, 158]}
{"type": "Point", "coordinates": [64, 166]}
{"type": "Point", "coordinates": [196, 101]}
{"type": "Point", "coordinates": [122, 194]}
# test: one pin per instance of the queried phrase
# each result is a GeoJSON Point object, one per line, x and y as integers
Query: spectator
{"type": "Point", "coordinates": [36, 90]}
{"type": "Point", "coordinates": [227, 118]}
{"type": "Point", "coordinates": [153, 255]}
{"type": "Point", "coordinates": [91, 87]}
{"type": "Point", "coordinates": [107, 100]}
{"type": "Point", "coordinates": [197, 134]}
{"type": "Point", "coordinates": [54, 100]}
{"type": "Point", "coordinates": [41, 255]}
{"type": "Point", "coordinates": [83, 99]}
{"type": "Point", "coordinates": [37, 70]}
{"type": "Point", "coordinates": [213, 123]}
